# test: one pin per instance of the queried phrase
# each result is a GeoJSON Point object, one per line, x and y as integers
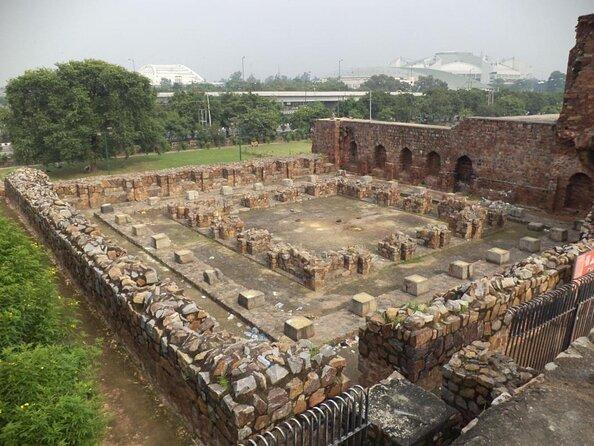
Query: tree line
{"type": "Point", "coordinates": [83, 111]}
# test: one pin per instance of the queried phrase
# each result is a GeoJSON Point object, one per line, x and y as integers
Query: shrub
{"type": "Point", "coordinates": [30, 307]}
{"type": "Point", "coordinates": [48, 396]}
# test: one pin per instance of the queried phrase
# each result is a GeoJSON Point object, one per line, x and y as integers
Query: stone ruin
{"type": "Point", "coordinates": [328, 188]}
{"type": "Point", "coordinates": [226, 227]}
{"type": "Point", "coordinates": [253, 241]}
{"type": "Point", "coordinates": [397, 247]}
{"type": "Point", "coordinates": [288, 194]}
{"type": "Point", "coordinates": [477, 375]}
{"type": "Point", "coordinates": [354, 188]}
{"type": "Point", "coordinates": [199, 214]}
{"type": "Point", "coordinates": [434, 236]}
{"type": "Point", "coordinates": [469, 220]}
{"type": "Point", "coordinates": [418, 203]}
{"type": "Point", "coordinates": [256, 200]}
{"type": "Point", "coordinates": [228, 388]}
{"type": "Point", "coordinates": [312, 270]}
{"type": "Point", "coordinates": [387, 195]}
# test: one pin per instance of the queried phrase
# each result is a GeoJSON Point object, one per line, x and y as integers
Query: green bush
{"type": "Point", "coordinates": [48, 396]}
{"type": "Point", "coordinates": [47, 392]}
{"type": "Point", "coordinates": [31, 310]}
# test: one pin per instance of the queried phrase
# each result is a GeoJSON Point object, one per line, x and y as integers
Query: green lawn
{"type": "Point", "coordinates": [139, 163]}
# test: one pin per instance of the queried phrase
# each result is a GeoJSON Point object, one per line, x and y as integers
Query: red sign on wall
{"type": "Point", "coordinates": [584, 264]}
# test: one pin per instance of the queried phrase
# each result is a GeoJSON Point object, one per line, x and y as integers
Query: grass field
{"type": "Point", "coordinates": [139, 163]}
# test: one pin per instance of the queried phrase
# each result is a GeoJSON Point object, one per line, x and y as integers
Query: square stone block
{"type": "Point", "coordinates": [577, 224]}
{"type": "Point", "coordinates": [152, 201]}
{"type": "Point", "coordinates": [363, 304]}
{"type": "Point", "coordinates": [192, 194]}
{"type": "Point", "coordinates": [139, 229]}
{"type": "Point", "coordinates": [251, 299]}
{"type": "Point", "coordinates": [558, 234]}
{"type": "Point", "coordinates": [498, 256]}
{"type": "Point", "coordinates": [366, 179]}
{"type": "Point", "coordinates": [258, 186]}
{"type": "Point", "coordinates": [287, 182]}
{"type": "Point", "coordinates": [461, 270]}
{"type": "Point", "coordinates": [529, 244]}
{"type": "Point", "coordinates": [312, 178]}
{"type": "Point", "coordinates": [210, 276]}
{"type": "Point", "coordinates": [226, 190]}
{"type": "Point", "coordinates": [517, 212]}
{"type": "Point", "coordinates": [299, 327]}
{"type": "Point", "coordinates": [416, 284]}
{"type": "Point", "coordinates": [536, 226]}
{"type": "Point", "coordinates": [122, 219]}
{"type": "Point", "coordinates": [183, 256]}
{"type": "Point", "coordinates": [106, 208]}
{"type": "Point", "coordinates": [160, 241]}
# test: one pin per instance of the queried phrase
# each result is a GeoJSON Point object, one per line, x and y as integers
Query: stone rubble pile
{"type": "Point", "coordinates": [256, 200]}
{"type": "Point", "coordinates": [476, 375]}
{"type": "Point", "coordinates": [434, 236]}
{"type": "Point", "coordinates": [201, 214]}
{"type": "Point", "coordinates": [253, 241]}
{"type": "Point", "coordinates": [417, 202]}
{"type": "Point", "coordinates": [354, 188]}
{"type": "Point", "coordinates": [325, 188]}
{"type": "Point", "coordinates": [226, 227]}
{"type": "Point", "coordinates": [397, 247]}
{"type": "Point", "coordinates": [287, 194]}
{"type": "Point", "coordinates": [228, 388]}
{"type": "Point", "coordinates": [387, 195]}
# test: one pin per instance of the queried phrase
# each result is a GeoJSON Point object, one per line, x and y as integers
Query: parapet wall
{"type": "Point", "coordinates": [227, 388]}
{"type": "Point", "coordinates": [417, 341]}
{"type": "Point", "coordinates": [93, 192]}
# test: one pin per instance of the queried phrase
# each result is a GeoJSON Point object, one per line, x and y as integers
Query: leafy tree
{"type": "Point", "coordinates": [427, 83]}
{"type": "Point", "coordinates": [509, 105]}
{"type": "Point", "coordinates": [383, 82]}
{"type": "Point", "coordinates": [332, 84]}
{"type": "Point", "coordinates": [303, 118]}
{"type": "Point", "coordinates": [258, 125]}
{"type": "Point", "coordinates": [4, 117]}
{"type": "Point", "coordinates": [80, 111]}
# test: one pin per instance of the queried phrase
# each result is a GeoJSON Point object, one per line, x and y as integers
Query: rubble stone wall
{"type": "Point", "coordinates": [92, 192]}
{"type": "Point", "coordinates": [227, 388]}
{"type": "Point", "coordinates": [417, 341]}
{"type": "Point", "coordinates": [513, 161]}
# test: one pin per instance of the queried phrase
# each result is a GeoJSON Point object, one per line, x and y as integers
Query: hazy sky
{"type": "Point", "coordinates": [292, 36]}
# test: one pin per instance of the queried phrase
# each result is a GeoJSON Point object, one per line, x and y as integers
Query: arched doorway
{"type": "Point", "coordinates": [433, 163]}
{"type": "Point", "coordinates": [405, 159]}
{"type": "Point", "coordinates": [380, 157]}
{"type": "Point", "coordinates": [353, 151]}
{"type": "Point", "coordinates": [463, 174]}
{"type": "Point", "coordinates": [578, 194]}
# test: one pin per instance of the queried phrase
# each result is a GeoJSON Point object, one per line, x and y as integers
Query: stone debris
{"type": "Point", "coordinates": [417, 202]}
{"type": "Point", "coordinates": [397, 247]}
{"type": "Point", "coordinates": [256, 201]}
{"type": "Point", "coordinates": [434, 236]}
{"type": "Point", "coordinates": [253, 241]}
{"type": "Point", "coordinates": [226, 227]}
{"type": "Point", "coordinates": [476, 376]}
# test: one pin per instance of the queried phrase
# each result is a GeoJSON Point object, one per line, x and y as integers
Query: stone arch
{"type": "Point", "coordinates": [406, 159]}
{"type": "Point", "coordinates": [464, 173]}
{"type": "Point", "coordinates": [433, 164]}
{"type": "Point", "coordinates": [380, 157]}
{"type": "Point", "coordinates": [353, 153]}
{"type": "Point", "coordinates": [578, 194]}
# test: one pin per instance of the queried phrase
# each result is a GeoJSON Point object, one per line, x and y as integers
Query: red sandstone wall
{"type": "Point", "coordinates": [576, 122]}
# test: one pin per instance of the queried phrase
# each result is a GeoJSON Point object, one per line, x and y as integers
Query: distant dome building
{"type": "Point", "coordinates": [177, 74]}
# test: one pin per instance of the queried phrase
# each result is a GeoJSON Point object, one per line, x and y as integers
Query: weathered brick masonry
{"type": "Point", "coordinates": [227, 388]}
{"type": "Point", "coordinates": [527, 160]}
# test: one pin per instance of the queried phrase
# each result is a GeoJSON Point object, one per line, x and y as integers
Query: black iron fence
{"type": "Point", "coordinates": [545, 326]}
{"type": "Point", "coordinates": [342, 420]}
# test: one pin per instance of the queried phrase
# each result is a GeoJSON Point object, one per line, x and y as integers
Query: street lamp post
{"type": "Point", "coordinates": [133, 64]}
{"type": "Point", "coordinates": [243, 68]}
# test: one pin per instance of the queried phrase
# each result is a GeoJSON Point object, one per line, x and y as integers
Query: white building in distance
{"type": "Point", "coordinates": [177, 74]}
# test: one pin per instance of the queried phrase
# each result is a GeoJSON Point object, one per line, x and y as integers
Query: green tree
{"type": "Point", "coordinates": [258, 125]}
{"type": "Point", "coordinates": [4, 117]}
{"type": "Point", "coordinates": [79, 111]}
{"type": "Point", "coordinates": [303, 118]}
{"type": "Point", "coordinates": [383, 82]}
{"type": "Point", "coordinates": [509, 105]}
{"type": "Point", "coordinates": [428, 83]}
{"type": "Point", "coordinates": [331, 84]}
